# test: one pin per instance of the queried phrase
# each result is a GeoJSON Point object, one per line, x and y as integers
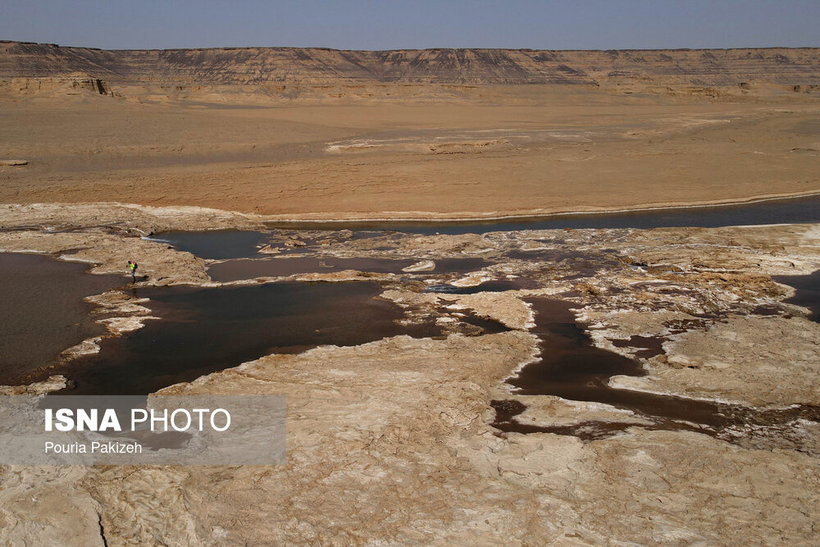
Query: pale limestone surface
{"type": "Point", "coordinates": [390, 442]}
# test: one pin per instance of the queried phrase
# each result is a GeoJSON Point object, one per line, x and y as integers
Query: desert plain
{"type": "Point", "coordinates": [421, 439]}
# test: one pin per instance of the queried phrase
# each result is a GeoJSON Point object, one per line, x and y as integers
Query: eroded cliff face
{"type": "Point", "coordinates": [288, 66]}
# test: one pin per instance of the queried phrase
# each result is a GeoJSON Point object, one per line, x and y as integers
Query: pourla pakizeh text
{"type": "Point", "coordinates": [95, 447]}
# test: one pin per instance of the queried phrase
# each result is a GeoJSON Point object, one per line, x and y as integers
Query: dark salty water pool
{"type": "Point", "coordinates": [807, 292]}
{"type": "Point", "coordinates": [228, 244]}
{"type": "Point", "coordinates": [42, 311]}
{"type": "Point", "coordinates": [488, 286]}
{"type": "Point", "coordinates": [205, 330]}
{"type": "Point", "coordinates": [225, 244]}
{"type": "Point", "coordinates": [570, 367]}
{"type": "Point", "coordinates": [766, 212]}
{"type": "Point", "coordinates": [216, 244]}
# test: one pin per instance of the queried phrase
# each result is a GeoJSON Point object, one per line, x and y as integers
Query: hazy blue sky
{"type": "Point", "coordinates": [560, 24]}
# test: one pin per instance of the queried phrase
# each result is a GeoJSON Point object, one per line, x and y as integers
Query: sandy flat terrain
{"type": "Point", "coordinates": [501, 151]}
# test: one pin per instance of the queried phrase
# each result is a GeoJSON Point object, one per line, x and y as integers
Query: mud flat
{"type": "Point", "coordinates": [392, 440]}
{"type": "Point", "coordinates": [484, 151]}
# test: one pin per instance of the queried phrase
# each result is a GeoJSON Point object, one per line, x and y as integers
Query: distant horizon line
{"type": "Point", "coordinates": [327, 48]}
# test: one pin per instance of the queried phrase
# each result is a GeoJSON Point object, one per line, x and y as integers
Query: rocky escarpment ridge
{"type": "Point", "coordinates": [316, 66]}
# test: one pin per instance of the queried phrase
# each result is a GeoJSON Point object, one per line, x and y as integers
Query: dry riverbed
{"type": "Point", "coordinates": [393, 441]}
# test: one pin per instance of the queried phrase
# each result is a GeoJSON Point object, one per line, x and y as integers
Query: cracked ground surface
{"type": "Point", "coordinates": [392, 441]}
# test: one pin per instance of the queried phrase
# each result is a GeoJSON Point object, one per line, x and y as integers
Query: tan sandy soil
{"type": "Point", "coordinates": [513, 151]}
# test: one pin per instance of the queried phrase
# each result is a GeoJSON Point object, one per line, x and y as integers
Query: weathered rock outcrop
{"type": "Point", "coordinates": [315, 66]}
{"type": "Point", "coordinates": [392, 442]}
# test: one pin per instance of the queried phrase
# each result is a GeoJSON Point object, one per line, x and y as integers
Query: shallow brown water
{"type": "Point", "coordinates": [499, 285]}
{"type": "Point", "coordinates": [807, 292]}
{"type": "Point", "coordinates": [206, 330]}
{"type": "Point", "coordinates": [42, 311]}
{"type": "Point", "coordinates": [570, 367]}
